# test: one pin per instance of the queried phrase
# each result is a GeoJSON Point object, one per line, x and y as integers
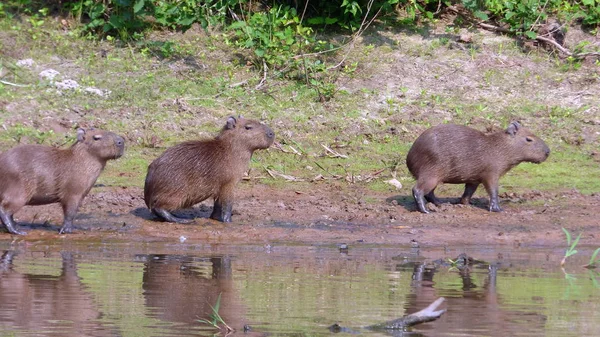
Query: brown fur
{"type": "Point", "coordinates": [458, 154]}
{"type": "Point", "coordinates": [191, 172]}
{"type": "Point", "coordinates": [39, 175]}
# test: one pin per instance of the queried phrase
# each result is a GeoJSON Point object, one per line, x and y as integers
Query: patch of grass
{"type": "Point", "coordinates": [556, 174]}
{"type": "Point", "coordinates": [177, 87]}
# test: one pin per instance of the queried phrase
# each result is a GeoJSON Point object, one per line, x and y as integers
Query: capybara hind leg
{"type": "Point", "coordinates": [430, 197]}
{"type": "Point", "coordinates": [470, 189]}
{"type": "Point", "coordinates": [420, 200]}
{"type": "Point", "coordinates": [9, 222]}
{"type": "Point", "coordinates": [423, 189]}
{"type": "Point", "coordinates": [492, 189]}
{"type": "Point", "coordinates": [168, 217]}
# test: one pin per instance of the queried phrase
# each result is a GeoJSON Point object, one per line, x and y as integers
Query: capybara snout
{"type": "Point", "coordinates": [457, 154]}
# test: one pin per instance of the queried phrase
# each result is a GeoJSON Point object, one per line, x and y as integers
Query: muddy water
{"type": "Point", "coordinates": [162, 289]}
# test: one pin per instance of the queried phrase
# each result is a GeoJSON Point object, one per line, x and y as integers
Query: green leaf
{"type": "Point", "coordinates": [593, 258]}
{"type": "Point", "coordinates": [481, 15]}
{"type": "Point", "coordinates": [568, 235]}
{"type": "Point", "coordinates": [139, 4]}
{"type": "Point", "coordinates": [531, 35]}
{"type": "Point", "coordinates": [319, 20]}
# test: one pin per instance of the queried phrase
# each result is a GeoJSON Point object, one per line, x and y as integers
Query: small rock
{"type": "Point", "coordinates": [26, 63]}
{"type": "Point", "coordinates": [99, 92]}
{"type": "Point", "coordinates": [49, 74]}
{"type": "Point", "coordinates": [465, 38]}
{"type": "Point", "coordinates": [67, 85]}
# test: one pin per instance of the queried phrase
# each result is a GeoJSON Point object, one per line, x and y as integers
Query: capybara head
{"type": "Point", "coordinates": [524, 145]}
{"type": "Point", "coordinates": [248, 133]}
{"type": "Point", "coordinates": [101, 144]}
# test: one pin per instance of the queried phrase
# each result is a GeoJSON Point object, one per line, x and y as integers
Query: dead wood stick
{"type": "Point", "coordinates": [426, 315]}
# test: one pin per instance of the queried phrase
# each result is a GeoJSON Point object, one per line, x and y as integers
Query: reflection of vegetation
{"type": "Point", "coordinates": [216, 319]}
{"type": "Point", "coordinates": [571, 250]}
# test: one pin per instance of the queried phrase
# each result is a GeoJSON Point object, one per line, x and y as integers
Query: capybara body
{"type": "Point", "coordinates": [457, 154]}
{"type": "Point", "coordinates": [191, 172]}
{"type": "Point", "coordinates": [39, 175]}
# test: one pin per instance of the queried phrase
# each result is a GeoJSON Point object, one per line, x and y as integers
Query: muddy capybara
{"type": "Point", "coordinates": [40, 175]}
{"type": "Point", "coordinates": [457, 154]}
{"type": "Point", "coordinates": [191, 172]}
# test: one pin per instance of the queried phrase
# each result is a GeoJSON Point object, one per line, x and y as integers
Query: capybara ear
{"type": "Point", "coordinates": [230, 123]}
{"type": "Point", "coordinates": [80, 135]}
{"type": "Point", "coordinates": [513, 128]}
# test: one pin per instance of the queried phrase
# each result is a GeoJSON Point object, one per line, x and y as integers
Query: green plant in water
{"type": "Point", "coordinates": [571, 250]}
{"type": "Point", "coordinates": [593, 261]}
{"type": "Point", "coordinates": [216, 319]}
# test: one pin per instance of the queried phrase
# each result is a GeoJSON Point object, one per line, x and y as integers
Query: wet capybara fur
{"type": "Point", "coordinates": [457, 154]}
{"type": "Point", "coordinates": [40, 175]}
{"type": "Point", "coordinates": [191, 172]}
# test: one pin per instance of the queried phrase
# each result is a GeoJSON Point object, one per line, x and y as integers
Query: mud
{"type": "Point", "coordinates": [328, 214]}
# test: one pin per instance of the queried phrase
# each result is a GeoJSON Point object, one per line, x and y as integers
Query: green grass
{"type": "Point", "coordinates": [158, 101]}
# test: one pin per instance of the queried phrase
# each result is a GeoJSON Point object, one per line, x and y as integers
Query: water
{"type": "Point", "coordinates": [159, 289]}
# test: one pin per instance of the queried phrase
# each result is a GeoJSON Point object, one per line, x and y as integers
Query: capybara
{"type": "Point", "coordinates": [191, 172]}
{"type": "Point", "coordinates": [457, 154]}
{"type": "Point", "coordinates": [40, 175]}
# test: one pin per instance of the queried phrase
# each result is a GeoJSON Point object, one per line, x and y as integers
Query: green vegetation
{"type": "Point", "coordinates": [216, 319]}
{"type": "Point", "coordinates": [572, 251]}
{"type": "Point", "coordinates": [322, 78]}
{"type": "Point", "coordinates": [572, 244]}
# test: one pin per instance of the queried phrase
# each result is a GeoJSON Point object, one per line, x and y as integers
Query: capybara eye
{"type": "Point", "coordinates": [248, 127]}
{"type": "Point", "coordinates": [97, 137]}
{"type": "Point", "coordinates": [529, 139]}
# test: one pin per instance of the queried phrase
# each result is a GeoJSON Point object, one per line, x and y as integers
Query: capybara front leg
{"type": "Point", "coordinates": [492, 189]}
{"type": "Point", "coordinates": [9, 222]}
{"type": "Point", "coordinates": [69, 210]}
{"type": "Point", "coordinates": [430, 197]}
{"type": "Point", "coordinates": [222, 210]}
{"type": "Point", "coordinates": [168, 217]}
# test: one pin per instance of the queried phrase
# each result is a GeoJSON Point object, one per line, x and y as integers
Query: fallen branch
{"type": "Point", "coordinates": [498, 29]}
{"type": "Point", "coordinates": [14, 84]}
{"type": "Point", "coordinates": [426, 315]}
{"type": "Point", "coordinates": [334, 154]}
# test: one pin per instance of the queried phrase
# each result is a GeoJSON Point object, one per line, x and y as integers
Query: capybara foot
{"type": "Point", "coordinates": [13, 230]}
{"type": "Point", "coordinates": [495, 208]}
{"type": "Point", "coordinates": [66, 230]}
{"type": "Point", "coordinates": [168, 217]}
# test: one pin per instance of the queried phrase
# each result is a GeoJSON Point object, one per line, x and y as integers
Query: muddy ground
{"type": "Point", "coordinates": [328, 214]}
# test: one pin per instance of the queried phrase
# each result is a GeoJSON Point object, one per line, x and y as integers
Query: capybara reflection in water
{"type": "Point", "coordinates": [457, 154]}
{"type": "Point", "coordinates": [40, 175]}
{"type": "Point", "coordinates": [191, 172]}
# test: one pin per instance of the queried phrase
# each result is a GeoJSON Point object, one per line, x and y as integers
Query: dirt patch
{"type": "Point", "coordinates": [329, 214]}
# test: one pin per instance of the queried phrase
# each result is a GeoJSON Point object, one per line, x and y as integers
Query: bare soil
{"type": "Point", "coordinates": [328, 214]}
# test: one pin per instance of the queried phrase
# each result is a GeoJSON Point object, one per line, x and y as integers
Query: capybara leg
{"type": "Point", "coordinates": [430, 197]}
{"type": "Point", "coordinates": [420, 200]}
{"type": "Point", "coordinates": [222, 211]}
{"type": "Point", "coordinates": [492, 189]}
{"type": "Point", "coordinates": [70, 210]}
{"type": "Point", "coordinates": [9, 222]}
{"type": "Point", "coordinates": [470, 189]}
{"type": "Point", "coordinates": [168, 217]}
